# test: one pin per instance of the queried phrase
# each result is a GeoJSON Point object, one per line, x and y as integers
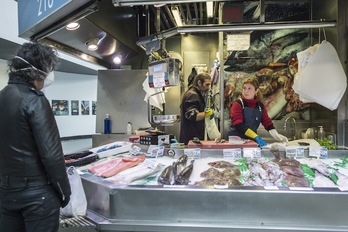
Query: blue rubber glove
{"type": "Point", "coordinates": [209, 113]}
{"type": "Point", "coordinates": [260, 141]}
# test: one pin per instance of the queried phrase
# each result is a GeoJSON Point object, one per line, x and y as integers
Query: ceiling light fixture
{"type": "Point", "coordinates": [210, 9]}
{"type": "Point", "coordinates": [159, 5]}
{"type": "Point", "coordinates": [176, 15]}
{"type": "Point", "coordinates": [117, 59]}
{"type": "Point", "coordinates": [92, 44]}
{"type": "Point", "coordinates": [72, 26]}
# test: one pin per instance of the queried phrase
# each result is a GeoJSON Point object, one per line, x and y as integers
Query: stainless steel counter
{"type": "Point", "coordinates": [190, 208]}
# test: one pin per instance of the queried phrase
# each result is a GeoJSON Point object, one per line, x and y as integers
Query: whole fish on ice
{"type": "Point", "coordinates": [184, 176]}
{"type": "Point", "coordinates": [166, 176]}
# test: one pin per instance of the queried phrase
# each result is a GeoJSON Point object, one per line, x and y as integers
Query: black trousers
{"type": "Point", "coordinates": [33, 209]}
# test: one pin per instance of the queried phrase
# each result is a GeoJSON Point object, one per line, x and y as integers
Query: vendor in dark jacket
{"type": "Point", "coordinates": [34, 183]}
{"type": "Point", "coordinates": [193, 109]}
{"type": "Point", "coordinates": [248, 112]}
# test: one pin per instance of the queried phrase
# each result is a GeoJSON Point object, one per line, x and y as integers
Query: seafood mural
{"type": "Point", "coordinates": [271, 58]}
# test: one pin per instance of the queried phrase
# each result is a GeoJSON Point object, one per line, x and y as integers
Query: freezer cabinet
{"type": "Point", "coordinates": [189, 208]}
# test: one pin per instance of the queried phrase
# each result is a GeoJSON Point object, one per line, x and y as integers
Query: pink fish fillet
{"type": "Point", "coordinates": [116, 166]}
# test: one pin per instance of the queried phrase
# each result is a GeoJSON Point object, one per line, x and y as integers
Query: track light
{"type": "Point", "coordinates": [92, 44]}
{"type": "Point", "coordinates": [72, 26]}
{"type": "Point", "coordinates": [210, 9]}
{"type": "Point", "coordinates": [117, 59]}
{"type": "Point", "coordinates": [176, 15]}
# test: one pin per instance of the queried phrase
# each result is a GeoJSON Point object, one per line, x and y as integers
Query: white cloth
{"type": "Point", "coordinates": [156, 100]}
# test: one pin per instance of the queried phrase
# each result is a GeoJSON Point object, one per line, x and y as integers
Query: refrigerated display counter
{"type": "Point", "coordinates": [190, 208]}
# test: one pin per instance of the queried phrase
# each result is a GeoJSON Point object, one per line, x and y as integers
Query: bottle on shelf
{"type": "Point", "coordinates": [107, 124]}
{"type": "Point", "coordinates": [321, 133]}
{"type": "Point", "coordinates": [129, 128]}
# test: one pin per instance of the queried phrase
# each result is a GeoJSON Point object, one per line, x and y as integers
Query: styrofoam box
{"type": "Point", "coordinates": [125, 147]}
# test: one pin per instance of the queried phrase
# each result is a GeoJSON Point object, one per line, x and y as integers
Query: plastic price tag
{"type": "Point", "coordinates": [294, 152]}
{"type": "Point", "coordinates": [318, 152]}
{"type": "Point", "coordinates": [252, 152]}
{"type": "Point", "coordinates": [194, 153]}
{"type": "Point", "coordinates": [150, 163]}
{"type": "Point", "coordinates": [271, 187]}
{"type": "Point", "coordinates": [235, 153]}
{"type": "Point", "coordinates": [135, 150]}
{"type": "Point", "coordinates": [155, 151]}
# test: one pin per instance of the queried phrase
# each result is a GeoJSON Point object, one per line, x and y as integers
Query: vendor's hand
{"type": "Point", "coordinates": [209, 113]}
{"type": "Point", "coordinates": [278, 137]}
{"type": "Point", "coordinates": [260, 141]}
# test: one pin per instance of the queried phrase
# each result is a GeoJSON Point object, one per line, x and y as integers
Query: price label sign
{"type": "Point", "coordinates": [194, 153]}
{"type": "Point", "coordinates": [252, 152]}
{"type": "Point", "coordinates": [323, 154]}
{"type": "Point", "coordinates": [232, 153]}
{"type": "Point", "coordinates": [135, 150]}
{"type": "Point", "coordinates": [155, 151]}
{"type": "Point", "coordinates": [294, 152]}
{"type": "Point", "coordinates": [319, 152]}
{"type": "Point", "coordinates": [150, 163]}
{"type": "Point", "coordinates": [158, 80]}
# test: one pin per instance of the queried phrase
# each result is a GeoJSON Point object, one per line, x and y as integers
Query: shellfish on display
{"type": "Point", "coordinates": [221, 164]}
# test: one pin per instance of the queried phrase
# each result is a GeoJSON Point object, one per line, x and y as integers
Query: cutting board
{"type": "Point", "coordinates": [225, 145]}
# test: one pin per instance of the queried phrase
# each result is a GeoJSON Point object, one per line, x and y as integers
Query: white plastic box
{"type": "Point", "coordinates": [109, 151]}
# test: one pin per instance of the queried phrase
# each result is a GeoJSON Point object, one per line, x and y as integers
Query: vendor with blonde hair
{"type": "Point", "coordinates": [248, 112]}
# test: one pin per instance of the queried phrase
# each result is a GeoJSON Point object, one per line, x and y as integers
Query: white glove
{"type": "Point", "coordinates": [281, 138]}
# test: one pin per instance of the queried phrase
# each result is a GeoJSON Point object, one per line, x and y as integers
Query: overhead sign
{"type": "Point", "coordinates": [36, 15]}
{"type": "Point", "coordinates": [31, 12]}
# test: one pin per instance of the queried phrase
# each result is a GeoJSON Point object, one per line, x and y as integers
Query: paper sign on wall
{"type": "Point", "coordinates": [238, 42]}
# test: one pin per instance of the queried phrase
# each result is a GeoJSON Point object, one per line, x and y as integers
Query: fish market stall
{"type": "Point", "coordinates": [146, 205]}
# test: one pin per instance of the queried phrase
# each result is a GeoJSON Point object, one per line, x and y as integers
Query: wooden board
{"type": "Point", "coordinates": [225, 145]}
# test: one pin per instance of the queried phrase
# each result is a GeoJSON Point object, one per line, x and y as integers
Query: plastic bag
{"type": "Point", "coordinates": [211, 128]}
{"type": "Point", "coordinates": [77, 205]}
{"type": "Point", "coordinates": [322, 78]}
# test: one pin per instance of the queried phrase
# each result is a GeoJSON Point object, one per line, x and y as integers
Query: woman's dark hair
{"type": "Point", "coordinates": [41, 56]}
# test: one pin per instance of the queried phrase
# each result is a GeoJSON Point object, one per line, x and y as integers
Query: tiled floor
{"type": "Point", "coordinates": [76, 145]}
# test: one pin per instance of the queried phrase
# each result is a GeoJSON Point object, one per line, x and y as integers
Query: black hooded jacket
{"type": "Point", "coordinates": [192, 103]}
{"type": "Point", "coordinates": [30, 145]}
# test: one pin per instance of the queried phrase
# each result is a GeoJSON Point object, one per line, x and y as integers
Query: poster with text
{"type": "Point", "coordinates": [75, 107]}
